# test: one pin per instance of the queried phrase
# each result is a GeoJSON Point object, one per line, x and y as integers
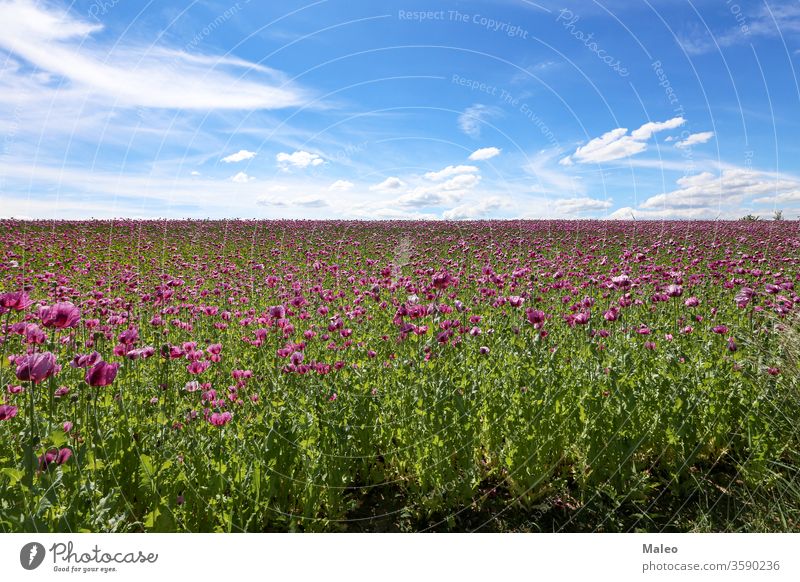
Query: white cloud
{"type": "Point", "coordinates": [390, 184]}
{"type": "Point", "coordinates": [617, 143]}
{"type": "Point", "coordinates": [242, 178]}
{"type": "Point", "coordinates": [239, 156]}
{"type": "Point", "coordinates": [578, 205]}
{"type": "Point", "coordinates": [473, 117]}
{"type": "Point", "coordinates": [372, 212]}
{"type": "Point", "coordinates": [628, 213]}
{"type": "Point", "coordinates": [130, 74]}
{"type": "Point", "coordinates": [483, 154]}
{"type": "Point", "coordinates": [195, 173]}
{"type": "Point", "coordinates": [647, 130]}
{"type": "Point", "coordinates": [341, 186]}
{"type": "Point", "coordinates": [440, 194]}
{"type": "Point", "coordinates": [299, 159]}
{"type": "Point", "coordinates": [695, 139]}
{"type": "Point", "coordinates": [731, 187]}
{"type": "Point", "coordinates": [729, 194]}
{"type": "Point", "coordinates": [478, 209]}
{"type": "Point", "coordinates": [450, 171]}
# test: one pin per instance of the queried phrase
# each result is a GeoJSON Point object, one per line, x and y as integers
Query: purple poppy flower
{"type": "Point", "coordinates": [101, 374]}
{"type": "Point", "coordinates": [60, 315]}
{"type": "Point", "coordinates": [36, 367]}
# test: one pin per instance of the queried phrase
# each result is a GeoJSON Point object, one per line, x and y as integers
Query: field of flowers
{"type": "Point", "coordinates": [301, 375]}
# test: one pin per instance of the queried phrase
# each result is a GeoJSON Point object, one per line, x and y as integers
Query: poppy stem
{"type": "Point", "coordinates": [30, 459]}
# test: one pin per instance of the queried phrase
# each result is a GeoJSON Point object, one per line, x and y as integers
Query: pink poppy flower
{"type": "Point", "coordinates": [36, 367]}
{"type": "Point", "coordinates": [60, 315]}
{"type": "Point", "coordinates": [7, 412]}
{"type": "Point", "coordinates": [16, 300]}
{"type": "Point", "coordinates": [198, 367]}
{"type": "Point", "coordinates": [101, 374]}
{"type": "Point", "coordinates": [220, 418]}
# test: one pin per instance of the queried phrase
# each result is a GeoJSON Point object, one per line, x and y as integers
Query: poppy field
{"type": "Point", "coordinates": [405, 376]}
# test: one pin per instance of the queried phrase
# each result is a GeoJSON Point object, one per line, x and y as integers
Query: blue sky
{"type": "Point", "coordinates": [401, 109]}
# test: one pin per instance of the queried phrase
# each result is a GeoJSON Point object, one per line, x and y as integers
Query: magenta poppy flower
{"type": "Point", "coordinates": [34, 335]}
{"type": "Point", "coordinates": [198, 367]}
{"type": "Point", "coordinates": [64, 455]}
{"type": "Point", "coordinates": [220, 418]}
{"type": "Point", "coordinates": [61, 391]}
{"type": "Point", "coordinates": [60, 315]}
{"type": "Point", "coordinates": [582, 318]}
{"type": "Point", "coordinates": [67, 426]}
{"type": "Point", "coordinates": [36, 367]}
{"type": "Point", "coordinates": [720, 329]}
{"type": "Point", "coordinates": [130, 336]}
{"type": "Point", "coordinates": [16, 300]}
{"type": "Point", "coordinates": [612, 314]}
{"type": "Point", "coordinates": [85, 361]}
{"type": "Point", "coordinates": [674, 290]}
{"type": "Point", "coordinates": [621, 281]}
{"type": "Point", "coordinates": [277, 312]}
{"type": "Point", "coordinates": [692, 302]}
{"type": "Point", "coordinates": [54, 456]}
{"type": "Point", "coordinates": [744, 296]}
{"type": "Point", "coordinates": [442, 280]}
{"type": "Point", "coordinates": [484, 350]}
{"type": "Point", "coordinates": [48, 458]}
{"type": "Point", "coordinates": [732, 344]}
{"type": "Point", "coordinates": [101, 374]}
{"type": "Point", "coordinates": [516, 301]}
{"type": "Point", "coordinates": [7, 412]}
{"type": "Point", "coordinates": [535, 317]}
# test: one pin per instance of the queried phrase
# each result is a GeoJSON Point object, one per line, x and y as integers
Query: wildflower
{"type": "Point", "coordinates": [198, 367]}
{"type": "Point", "coordinates": [442, 280]}
{"type": "Point", "coordinates": [54, 456]}
{"type": "Point", "coordinates": [16, 300]}
{"type": "Point", "coordinates": [744, 296]}
{"type": "Point", "coordinates": [101, 374]}
{"type": "Point", "coordinates": [36, 367]}
{"type": "Point", "coordinates": [60, 315]}
{"type": "Point", "coordinates": [621, 281]}
{"type": "Point", "coordinates": [674, 290]}
{"type": "Point", "coordinates": [7, 412]}
{"type": "Point", "coordinates": [220, 418]}
{"type": "Point", "coordinates": [85, 361]}
{"type": "Point", "coordinates": [535, 317]}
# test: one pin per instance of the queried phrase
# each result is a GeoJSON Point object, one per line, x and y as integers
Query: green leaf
{"type": "Point", "coordinates": [13, 475]}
